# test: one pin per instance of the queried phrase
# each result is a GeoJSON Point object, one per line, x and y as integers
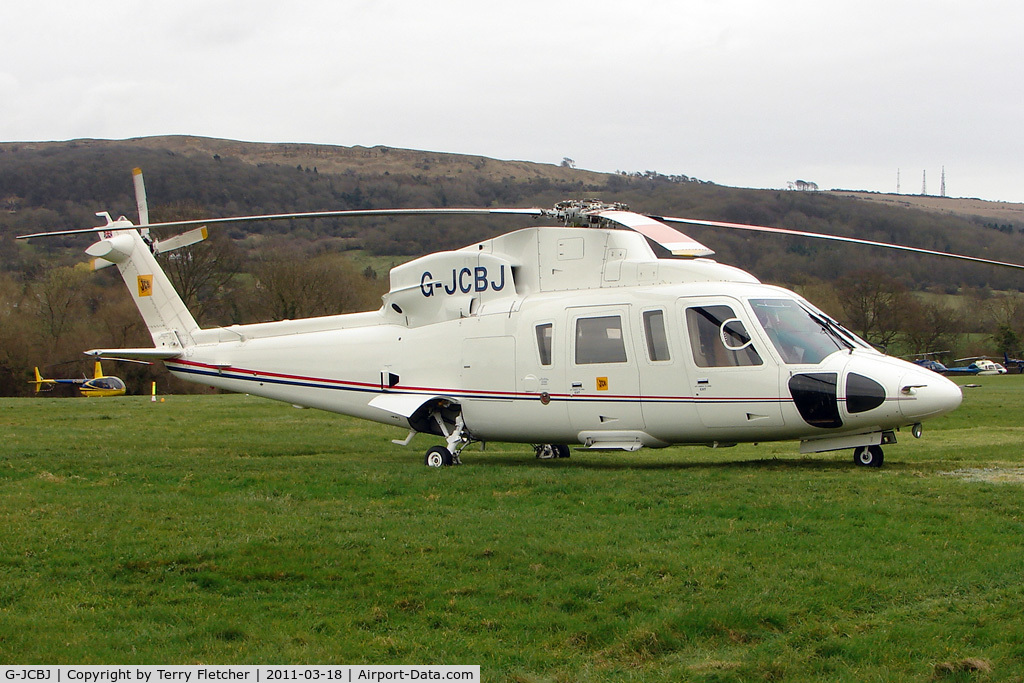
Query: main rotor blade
{"type": "Point", "coordinates": [835, 238]}
{"type": "Point", "coordinates": [348, 213]}
{"type": "Point", "coordinates": [679, 244]}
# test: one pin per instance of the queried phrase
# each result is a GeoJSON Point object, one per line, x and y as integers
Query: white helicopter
{"type": "Point", "coordinates": [573, 334]}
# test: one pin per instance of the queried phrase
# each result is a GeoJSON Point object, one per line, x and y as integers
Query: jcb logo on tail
{"type": "Point", "coordinates": [145, 285]}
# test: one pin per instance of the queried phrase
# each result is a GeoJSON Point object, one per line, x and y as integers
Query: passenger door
{"type": "Point", "coordinates": [603, 379]}
{"type": "Point", "coordinates": [735, 385]}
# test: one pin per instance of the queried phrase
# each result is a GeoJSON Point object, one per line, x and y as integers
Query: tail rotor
{"type": "Point", "coordinates": [160, 246]}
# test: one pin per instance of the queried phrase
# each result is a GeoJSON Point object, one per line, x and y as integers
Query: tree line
{"type": "Point", "coordinates": [51, 319]}
{"type": "Point", "coordinates": [52, 308]}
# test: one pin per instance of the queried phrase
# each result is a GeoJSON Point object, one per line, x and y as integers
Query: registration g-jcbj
{"type": "Point", "coordinates": [27, 674]}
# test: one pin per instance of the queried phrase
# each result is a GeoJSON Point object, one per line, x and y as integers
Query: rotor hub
{"type": "Point", "coordinates": [583, 213]}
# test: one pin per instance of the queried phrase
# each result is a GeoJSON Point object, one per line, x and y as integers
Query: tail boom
{"type": "Point", "coordinates": [168, 320]}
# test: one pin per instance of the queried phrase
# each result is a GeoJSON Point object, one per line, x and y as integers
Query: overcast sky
{"type": "Point", "coordinates": [740, 92]}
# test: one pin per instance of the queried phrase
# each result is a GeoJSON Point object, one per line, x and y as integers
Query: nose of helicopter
{"type": "Point", "coordinates": [924, 393]}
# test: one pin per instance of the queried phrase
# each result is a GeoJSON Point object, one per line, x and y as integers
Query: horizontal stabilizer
{"type": "Point", "coordinates": [134, 354]}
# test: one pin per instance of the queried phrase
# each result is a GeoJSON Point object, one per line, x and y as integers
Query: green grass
{"type": "Point", "coordinates": [228, 529]}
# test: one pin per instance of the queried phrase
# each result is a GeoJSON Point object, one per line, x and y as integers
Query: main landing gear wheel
{"type": "Point", "coordinates": [456, 438]}
{"type": "Point", "coordinates": [868, 456]}
{"type": "Point", "coordinates": [547, 451]}
{"type": "Point", "coordinates": [438, 456]}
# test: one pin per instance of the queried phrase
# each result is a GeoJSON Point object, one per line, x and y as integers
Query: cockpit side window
{"type": "Point", "coordinates": [719, 339]}
{"type": "Point", "coordinates": [796, 334]}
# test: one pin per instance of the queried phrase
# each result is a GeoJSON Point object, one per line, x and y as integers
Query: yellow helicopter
{"type": "Point", "coordinates": [99, 385]}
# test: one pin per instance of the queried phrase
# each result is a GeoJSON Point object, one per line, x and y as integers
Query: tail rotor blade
{"type": "Point", "coordinates": [140, 199]}
{"type": "Point", "coordinates": [178, 241]}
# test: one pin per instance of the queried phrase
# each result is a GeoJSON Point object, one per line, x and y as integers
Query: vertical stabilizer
{"type": "Point", "coordinates": [169, 321]}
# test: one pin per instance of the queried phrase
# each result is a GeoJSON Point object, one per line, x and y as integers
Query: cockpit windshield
{"type": "Point", "coordinates": [106, 383]}
{"type": "Point", "coordinates": [800, 333]}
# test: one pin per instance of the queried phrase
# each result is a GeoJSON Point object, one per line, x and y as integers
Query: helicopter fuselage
{"type": "Point", "coordinates": [580, 336]}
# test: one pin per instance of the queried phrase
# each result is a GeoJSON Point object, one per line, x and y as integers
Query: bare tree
{"type": "Point", "coordinates": [58, 297]}
{"type": "Point", "coordinates": [927, 326]}
{"type": "Point", "coordinates": [872, 302]}
{"type": "Point", "coordinates": [291, 286]}
{"type": "Point", "coordinates": [201, 272]}
{"type": "Point", "coordinates": [16, 348]}
{"type": "Point", "coordinates": [1006, 314]}
{"type": "Point", "coordinates": [802, 186]}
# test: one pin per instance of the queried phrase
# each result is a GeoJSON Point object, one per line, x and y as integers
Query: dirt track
{"type": "Point", "coordinates": [1001, 211]}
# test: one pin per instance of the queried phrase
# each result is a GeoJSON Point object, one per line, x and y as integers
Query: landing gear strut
{"type": "Point", "coordinates": [455, 440]}
{"type": "Point", "coordinates": [868, 456]}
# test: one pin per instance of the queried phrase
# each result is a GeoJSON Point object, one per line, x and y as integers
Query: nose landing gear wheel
{"type": "Point", "coordinates": [868, 456]}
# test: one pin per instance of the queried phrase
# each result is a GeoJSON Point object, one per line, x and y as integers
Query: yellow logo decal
{"type": "Point", "coordinates": [602, 384]}
{"type": "Point", "coordinates": [145, 285]}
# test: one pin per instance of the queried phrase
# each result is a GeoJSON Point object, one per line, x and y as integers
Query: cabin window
{"type": "Point", "coordinates": [719, 339]}
{"type": "Point", "coordinates": [544, 335]}
{"type": "Point", "coordinates": [657, 339]}
{"type": "Point", "coordinates": [599, 340]}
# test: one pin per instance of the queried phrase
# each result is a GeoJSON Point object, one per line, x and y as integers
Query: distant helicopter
{"type": "Point", "coordinates": [977, 365]}
{"type": "Point", "coordinates": [575, 333]}
{"type": "Point", "coordinates": [99, 385]}
{"type": "Point", "coordinates": [929, 360]}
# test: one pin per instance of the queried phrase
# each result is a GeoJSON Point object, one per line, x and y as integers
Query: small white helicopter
{"type": "Point", "coordinates": [573, 334]}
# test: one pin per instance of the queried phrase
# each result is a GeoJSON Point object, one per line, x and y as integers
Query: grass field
{"type": "Point", "coordinates": [229, 529]}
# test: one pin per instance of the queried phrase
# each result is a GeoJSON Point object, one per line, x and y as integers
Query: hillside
{"type": "Point", "coordinates": [970, 207]}
{"type": "Point", "coordinates": [62, 184]}
{"type": "Point", "coordinates": [327, 159]}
